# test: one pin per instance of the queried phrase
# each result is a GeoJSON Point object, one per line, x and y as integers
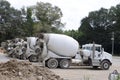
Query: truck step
{"type": "Point", "coordinates": [95, 62]}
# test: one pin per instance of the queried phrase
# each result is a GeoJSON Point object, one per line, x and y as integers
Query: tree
{"type": "Point", "coordinates": [10, 21]}
{"type": "Point", "coordinates": [115, 13]}
{"type": "Point", "coordinates": [86, 28]}
{"type": "Point", "coordinates": [28, 21]}
{"type": "Point", "coordinates": [97, 27]}
{"type": "Point", "coordinates": [48, 16]}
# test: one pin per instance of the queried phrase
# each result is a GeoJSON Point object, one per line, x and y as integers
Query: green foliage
{"type": "Point", "coordinates": [43, 17]}
{"type": "Point", "coordinates": [28, 27]}
{"type": "Point", "coordinates": [118, 77]}
{"type": "Point", "coordinates": [10, 21]}
{"type": "Point", "coordinates": [99, 25]}
{"type": "Point", "coordinates": [48, 16]}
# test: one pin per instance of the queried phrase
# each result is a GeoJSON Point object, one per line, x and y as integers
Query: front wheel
{"type": "Point", "coordinates": [64, 63]}
{"type": "Point", "coordinates": [105, 65]}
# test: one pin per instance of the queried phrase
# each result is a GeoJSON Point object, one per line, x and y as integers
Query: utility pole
{"type": "Point", "coordinates": [93, 50]}
{"type": "Point", "coordinates": [112, 39]}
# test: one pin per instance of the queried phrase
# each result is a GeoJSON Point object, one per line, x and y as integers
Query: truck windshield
{"type": "Point", "coordinates": [91, 48]}
{"type": "Point", "coordinates": [88, 48]}
{"type": "Point", "coordinates": [98, 49]}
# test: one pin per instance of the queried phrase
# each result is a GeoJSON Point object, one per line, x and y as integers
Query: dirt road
{"type": "Point", "coordinates": [87, 73]}
{"type": "Point", "coordinates": [80, 73]}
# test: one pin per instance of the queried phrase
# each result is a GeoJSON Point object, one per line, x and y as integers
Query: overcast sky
{"type": "Point", "coordinates": [73, 10]}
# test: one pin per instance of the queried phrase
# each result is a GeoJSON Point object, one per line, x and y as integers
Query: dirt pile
{"type": "Point", "coordinates": [23, 70]}
{"type": "Point", "coordinates": [2, 50]}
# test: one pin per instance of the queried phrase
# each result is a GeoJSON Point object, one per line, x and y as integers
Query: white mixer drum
{"type": "Point", "coordinates": [62, 45]}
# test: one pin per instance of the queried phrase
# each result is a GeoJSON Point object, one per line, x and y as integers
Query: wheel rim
{"type": "Point", "coordinates": [65, 64]}
{"type": "Point", "coordinates": [34, 58]}
{"type": "Point", "coordinates": [106, 65]}
{"type": "Point", "coordinates": [52, 63]}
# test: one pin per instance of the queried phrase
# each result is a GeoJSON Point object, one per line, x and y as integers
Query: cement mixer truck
{"type": "Point", "coordinates": [58, 50]}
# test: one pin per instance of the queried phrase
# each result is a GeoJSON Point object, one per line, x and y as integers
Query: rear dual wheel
{"type": "Point", "coordinates": [53, 63]}
{"type": "Point", "coordinates": [64, 63]}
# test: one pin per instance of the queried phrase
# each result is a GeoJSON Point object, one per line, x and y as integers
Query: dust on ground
{"type": "Point", "coordinates": [73, 73]}
{"type": "Point", "coordinates": [24, 70]}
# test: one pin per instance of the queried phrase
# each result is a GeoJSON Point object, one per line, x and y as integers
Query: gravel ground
{"type": "Point", "coordinates": [80, 72]}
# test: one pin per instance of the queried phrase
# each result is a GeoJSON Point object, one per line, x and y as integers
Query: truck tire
{"type": "Point", "coordinates": [22, 56]}
{"type": "Point", "coordinates": [12, 55]}
{"type": "Point", "coordinates": [33, 58]}
{"type": "Point", "coordinates": [105, 65]}
{"type": "Point", "coordinates": [64, 63]}
{"type": "Point", "coordinates": [52, 63]}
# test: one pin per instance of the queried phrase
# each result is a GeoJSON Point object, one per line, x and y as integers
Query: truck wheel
{"type": "Point", "coordinates": [33, 58]}
{"type": "Point", "coordinates": [64, 63]}
{"type": "Point", "coordinates": [22, 56]}
{"type": "Point", "coordinates": [105, 65]}
{"type": "Point", "coordinates": [12, 55]}
{"type": "Point", "coordinates": [52, 63]}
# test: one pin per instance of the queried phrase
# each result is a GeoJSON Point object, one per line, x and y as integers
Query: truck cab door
{"type": "Point", "coordinates": [97, 55]}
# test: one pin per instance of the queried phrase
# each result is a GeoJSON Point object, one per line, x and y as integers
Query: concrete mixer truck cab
{"type": "Point", "coordinates": [96, 56]}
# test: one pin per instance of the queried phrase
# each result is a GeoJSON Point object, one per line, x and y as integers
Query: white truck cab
{"type": "Point", "coordinates": [97, 55]}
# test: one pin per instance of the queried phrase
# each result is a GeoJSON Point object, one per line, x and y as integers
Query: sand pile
{"type": "Point", "coordinates": [2, 50]}
{"type": "Point", "coordinates": [21, 70]}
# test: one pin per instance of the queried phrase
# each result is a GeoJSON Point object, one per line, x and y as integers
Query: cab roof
{"type": "Point", "coordinates": [90, 45]}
